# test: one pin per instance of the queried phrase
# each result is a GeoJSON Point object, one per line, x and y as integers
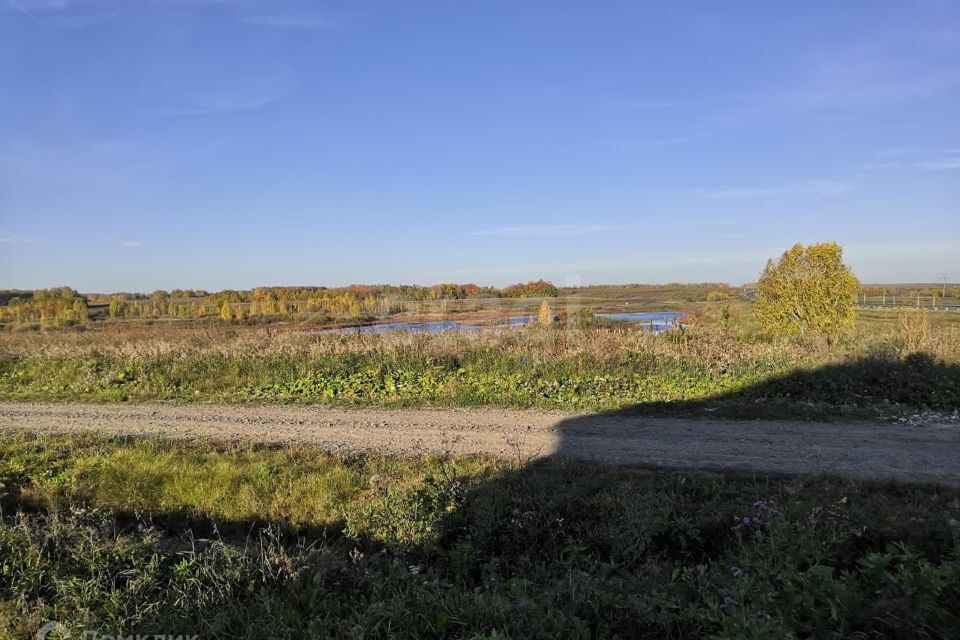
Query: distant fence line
{"type": "Point", "coordinates": [934, 303]}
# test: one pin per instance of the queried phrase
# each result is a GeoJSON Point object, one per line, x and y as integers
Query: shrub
{"type": "Point", "coordinates": [538, 288]}
{"type": "Point", "coordinates": [545, 315]}
{"type": "Point", "coordinates": [809, 291]}
{"type": "Point", "coordinates": [714, 296]}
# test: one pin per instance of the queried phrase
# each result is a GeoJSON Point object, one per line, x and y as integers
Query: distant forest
{"type": "Point", "coordinates": [65, 306]}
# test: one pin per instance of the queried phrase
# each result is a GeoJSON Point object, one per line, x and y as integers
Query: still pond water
{"type": "Point", "coordinates": [658, 322]}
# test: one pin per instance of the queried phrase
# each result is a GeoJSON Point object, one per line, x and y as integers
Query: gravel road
{"type": "Point", "coordinates": [916, 453]}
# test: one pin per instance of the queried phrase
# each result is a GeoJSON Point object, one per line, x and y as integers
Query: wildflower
{"type": "Point", "coordinates": [736, 572]}
{"type": "Point", "coordinates": [727, 602]}
{"type": "Point", "coordinates": [414, 569]}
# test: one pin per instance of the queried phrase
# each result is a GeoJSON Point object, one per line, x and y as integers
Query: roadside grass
{"type": "Point", "coordinates": [127, 536]}
{"type": "Point", "coordinates": [717, 364]}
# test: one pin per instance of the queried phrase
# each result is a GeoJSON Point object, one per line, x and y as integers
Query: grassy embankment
{"type": "Point", "coordinates": [720, 366]}
{"type": "Point", "coordinates": [229, 541]}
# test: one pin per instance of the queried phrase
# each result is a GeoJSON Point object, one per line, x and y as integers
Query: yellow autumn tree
{"type": "Point", "coordinates": [808, 291]}
{"type": "Point", "coordinates": [545, 315]}
{"type": "Point", "coordinates": [226, 313]}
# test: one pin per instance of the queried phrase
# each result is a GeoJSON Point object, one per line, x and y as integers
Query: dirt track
{"type": "Point", "coordinates": [928, 453]}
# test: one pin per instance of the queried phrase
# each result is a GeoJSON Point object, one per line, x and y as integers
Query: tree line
{"type": "Point", "coordinates": [51, 307]}
{"type": "Point", "coordinates": [64, 305]}
{"type": "Point", "coordinates": [928, 290]}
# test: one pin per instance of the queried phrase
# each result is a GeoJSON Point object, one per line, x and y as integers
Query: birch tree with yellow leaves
{"type": "Point", "coordinates": [808, 291]}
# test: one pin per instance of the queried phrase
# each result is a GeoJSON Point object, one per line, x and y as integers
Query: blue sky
{"type": "Point", "coordinates": [231, 143]}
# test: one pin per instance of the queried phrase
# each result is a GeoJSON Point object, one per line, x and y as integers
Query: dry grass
{"type": "Point", "coordinates": [913, 326]}
{"type": "Point", "coordinates": [910, 331]}
{"type": "Point", "coordinates": [570, 367]}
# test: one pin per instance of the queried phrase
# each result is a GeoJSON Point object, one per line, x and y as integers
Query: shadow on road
{"type": "Point", "coordinates": [857, 387]}
{"type": "Point", "coordinates": [639, 435]}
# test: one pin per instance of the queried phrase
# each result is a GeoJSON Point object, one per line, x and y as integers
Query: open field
{"type": "Point", "coordinates": [718, 365]}
{"type": "Point", "coordinates": [126, 536]}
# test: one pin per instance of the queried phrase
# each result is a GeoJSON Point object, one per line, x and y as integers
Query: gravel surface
{"type": "Point", "coordinates": [915, 452]}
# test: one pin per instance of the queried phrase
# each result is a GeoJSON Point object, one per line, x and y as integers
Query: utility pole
{"type": "Point", "coordinates": [946, 274]}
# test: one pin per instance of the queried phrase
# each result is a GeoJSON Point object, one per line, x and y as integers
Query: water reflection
{"type": "Point", "coordinates": [657, 321]}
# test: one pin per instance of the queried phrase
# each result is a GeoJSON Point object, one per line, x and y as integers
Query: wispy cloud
{"type": "Point", "coordinates": [898, 151]}
{"type": "Point", "coordinates": [74, 14]}
{"type": "Point", "coordinates": [66, 14]}
{"type": "Point", "coordinates": [950, 160]}
{"type": "Point", "coordinates": [548, 231]}
{"type": "Point", "coordinates": [12, 238]}
{"type": "Point", "coordinates": [653, 103]}
{"type": "Point", "coordinates": [654, 143]}
{"type": "Point", "coordinates": [881, 166]}
{"type": "Point", "coordinates": [242, 94]}
{"type": "Point", "coordinates": [85, 20]}
{"type": "Point", "coordinates": [131, 243]}
{"type": "Point", "coordinates": [881, 69]}
{"type": "Point", "coordinates": [209, 105]}
{"type": "Point", "coordinates": [681, 102]}
{"type": "Point", "coordinates": [16, 6]}
{"type": "Point", "coordinates": [820, 188]}
{"type": "Point", "coordinates": [78, 164]}
{"type": "Point", "coordinates": [939, 165]}
{"type": "Point", "coordinates": [311, 22]}
{"type": "Point", "coordinates": [41, 6]}
{"type": "Point", "coordinates": [29, 6]}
